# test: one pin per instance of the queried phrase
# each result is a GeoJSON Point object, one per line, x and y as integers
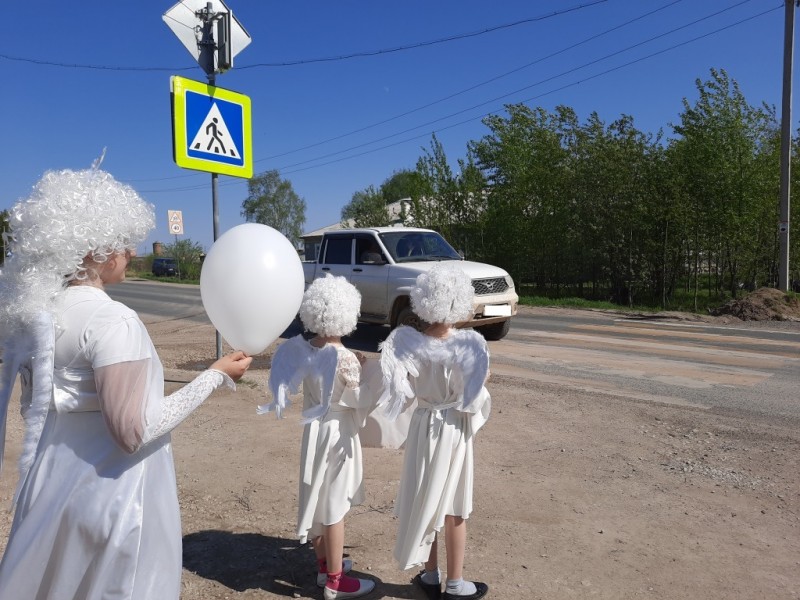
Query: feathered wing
{"type": "Point", "coordinates": [293, 361]}
{"type": "Point", "coordinates": [465, 351]}
{"type": "Point", "coordinates": [323, 370]}
{"type": "Point", "coordinates": [399, 354]}
{"type": "Point", "coordinates": [469, 354]}
{"type": "Point", "coordinates": [29, 353]}
{"type": "Point", "coordinates": [12, 360]}
{"type": "Point", "coordinates": [289, 366]}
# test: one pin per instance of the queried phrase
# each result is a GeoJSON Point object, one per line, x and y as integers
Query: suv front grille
{"type": "Point", "coordinates": [495, 285]}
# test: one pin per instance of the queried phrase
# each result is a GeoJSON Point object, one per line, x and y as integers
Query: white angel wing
{"type": "Point", "coordinates": [465, 351]}
{"type": "Point", "coordinates": [290, 364]}
{"type": "Point", "coordinates": [468, 352]}
{"type": "Point", "coordinates": [294, 361]}
{"type": "Point", "coordinates": [323, 369]}
{"type": "Point", "coordinates": [30, 353]}
{"type": "Point", "coordinates": [12, 360]}
{"type": "Point", "coordinates": [399, 354]}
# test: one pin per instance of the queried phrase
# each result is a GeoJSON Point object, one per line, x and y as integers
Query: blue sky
{"type": "Point", "coordinates": [334, 127]}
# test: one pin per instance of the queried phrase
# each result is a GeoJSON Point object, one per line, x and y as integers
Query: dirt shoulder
{"type": "Point", "coordinates": [577, 496]}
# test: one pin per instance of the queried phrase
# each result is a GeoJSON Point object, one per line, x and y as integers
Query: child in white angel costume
{"type": "Point", "coordinates": [331, 477]}
{"type": "Point", "coordinates": [444, 369]}
{"type": "Point", "coordinates": [96, 505]}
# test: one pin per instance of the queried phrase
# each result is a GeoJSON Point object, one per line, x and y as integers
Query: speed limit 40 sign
{"type": "Point", "coordinates": [175, 219]}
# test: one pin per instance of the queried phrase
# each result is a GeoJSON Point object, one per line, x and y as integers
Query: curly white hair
{"type": "Point", "coordinates": [68, 216]}
{"type": "Point", "coordinates": [443, 295]}
{"type": "Point", "coordinates": [331, 306]}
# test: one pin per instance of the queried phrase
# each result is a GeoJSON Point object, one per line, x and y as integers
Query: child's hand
{"type": "Point", "coordinates": [361, 358]}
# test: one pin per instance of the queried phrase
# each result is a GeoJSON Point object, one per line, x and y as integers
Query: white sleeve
{"type": "Point", "coordinates": [122, 390]}
{"type": "Point", "coordinates": [135, 410]}
{"type": "Point", "coordinates": [180, 404]}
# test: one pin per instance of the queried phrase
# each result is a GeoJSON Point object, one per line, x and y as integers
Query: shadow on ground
{"type": "Point", "coordinates": [245, 561]}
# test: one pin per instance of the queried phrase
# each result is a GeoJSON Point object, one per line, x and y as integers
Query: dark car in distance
{"type": "Point", "coordinates": [165, 267]}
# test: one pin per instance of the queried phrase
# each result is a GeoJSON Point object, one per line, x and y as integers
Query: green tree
{"type": "Point", "coordinates": [400, 185]}
{"type": "Point", "coordinates": [367, 209]}
{"type": "Point", "coordinates": [527, 160]}
{"type": "Point", "coordinates": [450, 203]}
{"type": "Point", "coordinates": [187, 254]}
{"type": "Point", "coordinates": [720, 157]}
{"type": "Point", "coordinates": [616, 201]}
{"type": "Point", "coordinates": [272, 201]}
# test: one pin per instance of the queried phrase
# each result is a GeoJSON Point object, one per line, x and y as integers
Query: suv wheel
{"type": "Point", "coordinates": [409, 318]}
{"type": "Point", "coordinates": [495, 331]}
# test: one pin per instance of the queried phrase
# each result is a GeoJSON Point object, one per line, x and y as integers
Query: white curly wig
{"type": "Point", "coordinates": [68, 216]}
{"type": "Point", "coordinates": [330, 307]}
{"type": "Point", "coordinates": [443, 295]}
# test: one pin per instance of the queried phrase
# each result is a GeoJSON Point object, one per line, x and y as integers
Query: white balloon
{"type": "Point", "coordinates": [251, 285]}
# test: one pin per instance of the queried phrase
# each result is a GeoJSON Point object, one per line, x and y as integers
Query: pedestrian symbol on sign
{"type": "Point", "coordinates": [213, 136]}
{"type": "Point", "coordinates": [211, 128]}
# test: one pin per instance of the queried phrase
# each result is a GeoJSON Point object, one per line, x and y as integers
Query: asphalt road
{"type": "Point", "coordinates": [710, 367]}
{"type": "Point", "coordinates": [724, 368]}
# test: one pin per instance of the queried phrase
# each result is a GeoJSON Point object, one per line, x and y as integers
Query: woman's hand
{"type": "Point", "coordinates": [234, 364]}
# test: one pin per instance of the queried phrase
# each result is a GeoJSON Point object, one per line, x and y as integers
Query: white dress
{"type": "Point", "coordinates": [331, 475]}
{"type": "Point", "coordinates": [93, 520]}
{"type": "Point", "coordinates": [437, 476]}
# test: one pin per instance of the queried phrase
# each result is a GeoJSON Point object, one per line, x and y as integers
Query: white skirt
{"type": "Point", "coordinates": [331, 474]}
{"type": "Point", "coordinates": [437, 476]}
{"type": "Point", "coordinates": [92, 521]}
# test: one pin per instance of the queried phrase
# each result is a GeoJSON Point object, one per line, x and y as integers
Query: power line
{"type": "Point", "coordinates": [492, 100]}
{"type": "Point", "coordinates": [366, 53]}
{"type": "Point", "coordinates": [473, 87]}
{"type": "Point", "coordinates": [527, 87]}
{"type": "Point", "coordinates": [471, 119]}
{"type": "Point", "coordinates": [414, 46]}
{"type": "Point", "coordinates": [450, 96]}
{"type": "Point", "coordinates": [566, 86]}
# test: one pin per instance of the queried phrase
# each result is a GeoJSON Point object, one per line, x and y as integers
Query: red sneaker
{"type": "Point", "coordinates": [342, 586]}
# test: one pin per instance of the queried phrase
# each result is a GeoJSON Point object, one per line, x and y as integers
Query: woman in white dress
{"type": "Point", "coordinates": [96, 505]}
{"type": "Point", "coordinates": [331, 477]}
{"type": "Point", "coordinates": [444, 369]}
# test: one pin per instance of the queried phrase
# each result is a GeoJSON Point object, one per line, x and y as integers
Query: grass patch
{"type": "Point", "coordinates": [150, 277]}
{"type": "Point", "coordinates": [574, 302]}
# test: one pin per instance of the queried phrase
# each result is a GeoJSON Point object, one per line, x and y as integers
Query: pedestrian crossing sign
{"type": "Point", "coordinates": [211, 128]}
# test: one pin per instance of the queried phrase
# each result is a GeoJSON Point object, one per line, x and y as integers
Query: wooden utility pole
{"type": "Point", "coordinates": [786, 146]}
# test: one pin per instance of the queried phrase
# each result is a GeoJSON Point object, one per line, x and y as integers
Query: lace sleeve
{"type": "Point", "coordinates": [122, 390]}
{"type": "Point", "coordinates": [349, 369]}
{"type": "Point", "coordinates": [180, 404]}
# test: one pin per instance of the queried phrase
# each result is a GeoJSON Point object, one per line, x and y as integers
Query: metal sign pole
{"type": "Point", "coordinates": [215, 210]}
{"type": "Point", "coordinates": [187, 19]}
{"type": "Point", "coordinates": [206, 60]}
{"type": "Point", "coordinates": [214, 186]}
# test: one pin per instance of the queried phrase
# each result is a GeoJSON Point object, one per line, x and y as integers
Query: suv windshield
{"type": "Point", "coordinates": [410, 246]}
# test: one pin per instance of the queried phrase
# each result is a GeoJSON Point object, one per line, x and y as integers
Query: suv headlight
{"type": "Point", "coordinates": [510, 282]}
